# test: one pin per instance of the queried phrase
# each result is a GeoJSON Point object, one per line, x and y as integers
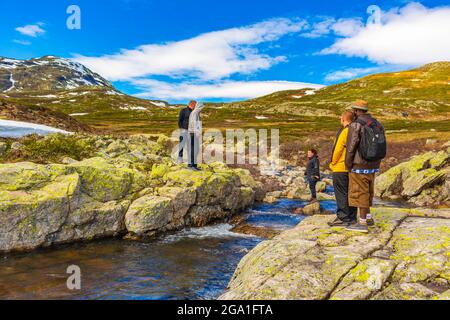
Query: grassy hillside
{"type": "Point", "coordinates": [417, 101]}
{"type": "Point", "coordinates": [420, 93]}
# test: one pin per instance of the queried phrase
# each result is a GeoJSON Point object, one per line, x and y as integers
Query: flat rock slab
{"type": "Point", "coordinates": [403, 257]}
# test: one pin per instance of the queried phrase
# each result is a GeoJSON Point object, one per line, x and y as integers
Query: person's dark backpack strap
{"type": "Point", "coordinates": [361, 122]}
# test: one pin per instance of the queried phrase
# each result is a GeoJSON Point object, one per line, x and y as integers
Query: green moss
{"type": "Point", "coordinates": [51, 149]}
{"type": "Point", "coordinates": [359, 273]}
{"type": "Point", "coordinates": [188, 177]}
{"type": "Point", "coordinates": [103, 181]}
{"type": "Point", "coordinates": [159, 171]}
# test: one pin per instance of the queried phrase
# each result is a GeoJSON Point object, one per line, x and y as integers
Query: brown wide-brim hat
{"type": "Point", "coordinates": [360, 105]}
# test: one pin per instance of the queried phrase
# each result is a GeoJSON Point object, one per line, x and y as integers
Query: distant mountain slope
{"type": "Point", "coordinates": [47, 74]}
{"type": "Point", "coordinates": [64, 86]}
{"type": "Point", "coordinates": [41, 115]}
{"type": "Point", "coordinates": [419, 93]}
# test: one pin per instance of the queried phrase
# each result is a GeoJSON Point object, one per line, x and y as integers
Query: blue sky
{"type": "Point", "coordinates": [228, 50]}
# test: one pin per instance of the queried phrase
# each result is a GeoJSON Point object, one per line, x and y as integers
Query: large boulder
{"type": "Point", "coordinates": [130, 186]}
{"type": "Point", "coordinates": [42, 205]}
{"type": "Point", "coordinates": [191, 198]}
{"type": "Point", "coordinates": [149, 214]}
{"type": "Point", "coordinates": [402, 257]}
{"type": "Point", "coordinates": [28, 217]}
{"type": "Point", "coordinates": [26, 175]}
{"type": "Point", "coordinates": [421, 180]}
{"type": "Point", "coordinates": [105, 182]}
{"type": "Point", "coordinates": [182, 201]}
{"type": "Point", "coordinates": [91, 220]}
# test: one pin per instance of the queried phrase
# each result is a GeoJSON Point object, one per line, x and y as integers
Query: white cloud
{"type": "Point", "coordinates": [329, 25]}
{"type": "Point", "coordinates": [350, 73]}
{"type": "Point", "coordinates": [411, 35]}
{"type": "Point", "coordinates": [347, 27]}
{"type": "Point", "coordinates": [224, 89]}
{"type": "Point", "coordinates": [32, 30]}
{"type": "Point", "coordinates": [213, 55]}
{"type": "Point", "coordinates": [22, 42]}
{"type": "Point", "coordinates": [320, 28]}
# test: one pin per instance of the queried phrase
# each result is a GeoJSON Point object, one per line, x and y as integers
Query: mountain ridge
{"type": "Point", "coordinates": [48, 73]}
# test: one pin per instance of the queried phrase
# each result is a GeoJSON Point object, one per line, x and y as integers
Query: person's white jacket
{"type": "Point", "coordinates": [195, 124]}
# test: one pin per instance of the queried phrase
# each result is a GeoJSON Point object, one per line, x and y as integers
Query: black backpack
{"type": "Point", "coordinates": [373, 144]}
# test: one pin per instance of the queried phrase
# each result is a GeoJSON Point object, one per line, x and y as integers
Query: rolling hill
{"type": "Point", "coordinates": [414, 100]}
{"type": "Point", "coordinates": [421, 93]}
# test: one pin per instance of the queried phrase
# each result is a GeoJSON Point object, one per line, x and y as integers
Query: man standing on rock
{"type": "Point", "coordinates": [183, 125]}
{"type": "Point", "coordinates": [195, 133]}
{"type": "Point", "coordinates": [346, 215]}
{"type": "Point", "coordinates": [366, 147]}
{"type": "Point", "coordinates": [313, 173]}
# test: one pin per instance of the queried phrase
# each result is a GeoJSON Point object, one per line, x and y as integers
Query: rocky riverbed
{"type": "Point", "coordinates": [129, 187]}
{"type": "Point", "coordinates": [405, 256]}
{"type": "Point", "coordinates": [195, 263]}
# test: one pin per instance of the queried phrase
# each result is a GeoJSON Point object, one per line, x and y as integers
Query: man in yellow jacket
{"type": "Point", "coordinates": [346, 215]}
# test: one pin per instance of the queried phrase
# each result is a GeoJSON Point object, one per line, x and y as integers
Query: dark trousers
{"type": "Point", "coordinates": [312, 187]}
{"type": "Point", "coordinates": [193, 148]}
{"type": "Point", "coordinates": [183, 141]}
{"type": "Point", "coordinates": [181, 152]}
{"type": "Point", "coordinates": [344, 211]}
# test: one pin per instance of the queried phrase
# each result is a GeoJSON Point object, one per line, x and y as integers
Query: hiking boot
{"type": "Point", "coordinates": [195, 169]}
{"type": "Point", "coordinates": [357, 227]}
{"type": "Point", "coordinates": [337, 223]}
{"type": "Point", "coordinates": [180, 160]}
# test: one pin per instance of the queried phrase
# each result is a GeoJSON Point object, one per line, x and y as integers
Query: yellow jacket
{"type": "Point", "coordinates": [340, 150]}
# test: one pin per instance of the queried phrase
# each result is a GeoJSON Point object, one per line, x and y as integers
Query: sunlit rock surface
{"type": "Point", "coordinates": [405, 256]}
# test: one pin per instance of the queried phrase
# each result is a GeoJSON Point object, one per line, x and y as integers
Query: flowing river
{"type": "Point", "coordinates": [191, 264]}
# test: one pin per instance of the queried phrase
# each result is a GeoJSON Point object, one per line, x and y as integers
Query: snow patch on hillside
{"type": "Point", "coordinates": [78, 114]}
{"type": "Point", "coordinates": [114, 93]}
{"type": "Point", "coordinates": [133, 108]}
{"type": "Point", "coordinates": [48, 96]}
{"type": "Point", "coordinates": [17, 129]}
{"type": "Point", "coordinates": [13, 83]}
{"type": "Point", "coordinates": [9, 63]}
{"type": "Point", "coordinates": [158, 104]}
